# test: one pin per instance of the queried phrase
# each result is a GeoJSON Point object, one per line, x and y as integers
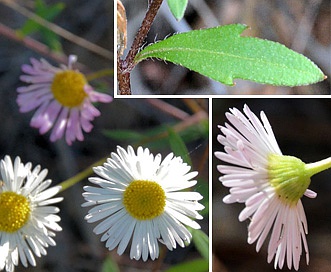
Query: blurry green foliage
{"type": "Point", "coordinates": [178, 146]}
{"type": "Point", "coordinates": [197, 265]}
{"type": "Point", "coordinates": [201, 242]}
{"type": "Point", "coordinates": [48, 13]}
{"type": "Point", "coordinates": [109, 266]}
{"type": "Point", "coordinates": [177, 8]}
{"type": "Point", "coordinates": [157, 137]}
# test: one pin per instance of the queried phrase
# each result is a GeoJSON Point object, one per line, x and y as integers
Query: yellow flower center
{"type": "Point", "coordinates": [14, 211]}
{"type": "Point", "coordinates": [289, 176]}
{"type": "Point", "coordinates": [68, 88]}
{"type": "Point", "coordinates": [144, 200]}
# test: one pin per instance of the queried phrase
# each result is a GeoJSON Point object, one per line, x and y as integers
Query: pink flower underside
{"type": "Point", "coordinates": [288, 227]}
{"type": "Point", "coordinates": [247, 178]}
{"type": "Point", "coordinates": [286, 223]}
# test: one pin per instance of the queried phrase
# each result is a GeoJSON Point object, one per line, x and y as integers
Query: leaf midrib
{"type": "Point", "coordinates": [181, 49]}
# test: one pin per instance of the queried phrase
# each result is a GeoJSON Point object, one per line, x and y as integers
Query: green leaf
{"type": "Point", "coordinates": [51, 39]}
{"type": "Point", "coordinates": [157, 137]}
{"type": "Point", "coordinates": [203, 188]}
{"type": "Point", "coordinates": [199, 265]}
{"type": "Point", "coordinates": [178, 146]}
{"type": "Point", "coordinates": [109, 266]}
{"type": "Point", "coordinates": [201, 241]}
{"type": "Point", "coordinates": [124, 135]}
{"type": "Point", "coordinates": [223, 55]}
{"type": "Point", "coordinates": [48, 13]}
{"type": "Point", "coordinates": [177, 8]}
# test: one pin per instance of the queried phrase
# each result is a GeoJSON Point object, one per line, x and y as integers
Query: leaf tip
{"type": "Point", "coordinates": [242, 27]}
{"type": "Point", "coordinates": [229, 81]}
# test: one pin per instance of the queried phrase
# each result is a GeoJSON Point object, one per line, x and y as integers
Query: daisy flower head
{"type": "Point", "coordinates": [269, 183]}
{"type": "Point", "coordinates": [138, 197]}
{"type": "Point", "coordinates": [28, 222]}
{"type": "Point", "coordinates": [62, 98]}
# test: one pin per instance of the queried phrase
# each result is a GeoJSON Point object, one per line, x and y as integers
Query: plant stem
{"type": "Point", "coordinates": [123, 79]}
{"type": "Point", "coordinates": [125, 66]}
{"type": "Point", "coordinates": [34, 45]}
{"type": "Point", "coordinates": [316, 167]}
{"type": "Point", "coordinates": [168, 108]}
{"type": "Point", "coordinates": [100, 74]}
{"type": "Point", "coordinates": [80, 176]}
{"type": "Point", "coordinates": [142, 32]}
{"type": "Point", "coordinates": [181, 126]}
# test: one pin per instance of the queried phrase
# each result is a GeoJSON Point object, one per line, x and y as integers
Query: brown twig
{"type": "Point", "coordinates": [123, 80]}
{"type": "Point", "coordinates": [125, 66]}
{"type": "Point", "coordinates": [168, 108]}
{"type": "Point", "coordinates": [35, 45]}
{"type": "Point", "coordinates": [203, 161]}
{"type": "Point", "coordinates": [193, 104]}
{"type": "Point", "coordinates": [181, 126]}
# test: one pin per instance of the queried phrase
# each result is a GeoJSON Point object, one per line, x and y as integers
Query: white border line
{"type": "Point", "coordinates": [115, 49]}
{"type": "Point", "coordinates": [229, 96]}
{"type": "Point", "coordinates": [210, 178]}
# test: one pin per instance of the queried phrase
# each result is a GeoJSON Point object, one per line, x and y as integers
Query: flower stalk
{"type": "Point", "coordinates": [317, 167]}
{"type": "Point", "coordinates": [80, 176]}
{"type": "Point", "coordinates": [100, 74]}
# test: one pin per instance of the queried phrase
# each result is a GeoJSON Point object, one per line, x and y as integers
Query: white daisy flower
{"type": "Point", "coordinates": [138, 197]}
{"type": "Point", "coordinates": [27, 223]}
{"type": "Point", "coordinates": [269, 183]}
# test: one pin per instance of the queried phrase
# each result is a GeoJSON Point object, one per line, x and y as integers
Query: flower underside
{"type": "Point", "coordinates": [144, 200]}
{"type": "Point", "coordinates": [14, 211]}
{"type": "Point", "coordinates": [68, 88]}
{"type": "Point", "coordinates": [288, 175]}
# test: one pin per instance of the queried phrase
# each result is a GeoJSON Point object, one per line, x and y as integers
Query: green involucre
{"type": "Point", "coordinates": [288, 175]}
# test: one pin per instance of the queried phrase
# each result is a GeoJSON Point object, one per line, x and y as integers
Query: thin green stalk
{"type": "Point", "coordinates": [81, 175]}
{"type": "Point", "coordinates": [100, 74]}
{"type": "Point", "coordinates": [316, 167]}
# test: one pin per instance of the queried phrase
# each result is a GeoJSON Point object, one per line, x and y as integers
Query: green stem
{"type": "Point", "coordinates": [81, 175]}
{"type": "Point", "coordinates": [316, 167]}
{"type": "Point", "coordinates": [100, 74]}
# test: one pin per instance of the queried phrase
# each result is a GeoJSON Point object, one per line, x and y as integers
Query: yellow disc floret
{"type": "Point", "coordinates": [289, 176]}
{"type": "Point", "coordinates": [14, 211]}
{"type": "Point", "coordinates": [144, 200]}
{"type": "Point", "coordinates": [68, 88]}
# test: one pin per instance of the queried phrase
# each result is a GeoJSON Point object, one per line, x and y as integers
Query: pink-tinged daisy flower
{"type": "Point", "coordinates": [138, 197]}
{"type": "Point", "coordinates": [63, 99]}
{"type": "Point", "coordinates": [28, 222]}
{"type": "Point", "coordinates": [269, 183]}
